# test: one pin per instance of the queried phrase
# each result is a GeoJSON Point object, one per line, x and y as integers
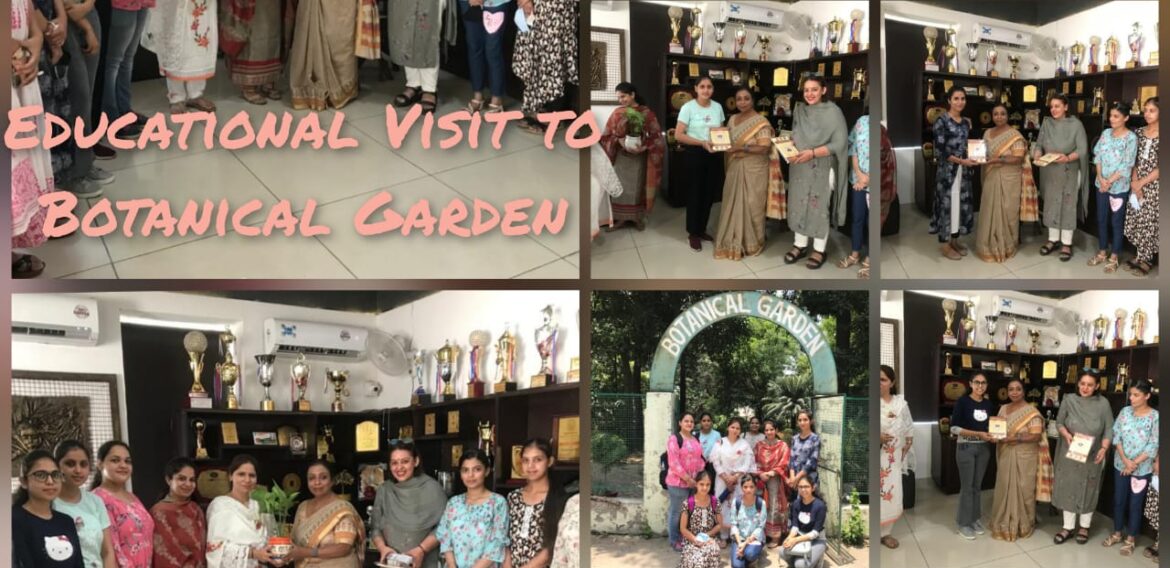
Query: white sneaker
{"type": "Point", "coordinates": [978, 527]}
{"type": "Point", "coordinates": [100, 176]}
{"type": "Point", "coordinates": [84, 188]}
{"type": "Point", "coordinates": [967, 533]}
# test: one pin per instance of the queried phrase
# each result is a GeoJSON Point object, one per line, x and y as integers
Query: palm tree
{"type": "Point", "coordinates": [793, 393]}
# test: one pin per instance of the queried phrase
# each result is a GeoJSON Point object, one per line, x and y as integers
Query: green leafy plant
{"type": "Point", "coordinates": [635, 121]}
{"type": "Point", "coordinates": [608, 450]}
{"type": "Point", "coordinates": [853, 533]}
{"type": "Point", "coordinates": [793, 394]}
{"type": "Point", "coordinates": [276, 502]}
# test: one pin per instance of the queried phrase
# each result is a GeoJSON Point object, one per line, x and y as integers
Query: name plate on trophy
{"type": "Point", "coordinates": [366, 436]}
{"type": "Point", "coordinates": [537, 380]}
{"type": "Point", "coordinates": [429, 424]}
{"type": "Point", "coordinates": [453, 422]}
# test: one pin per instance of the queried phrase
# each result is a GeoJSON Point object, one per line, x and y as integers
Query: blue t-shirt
{"type": "Point", "coordinates": [971, 415]}
{"type": "Point", "coordinates": [807, 518]}
{"type": "Point", "coordinates": [708, 442]}
{"type": "Point", "coordinates": [701, 120]}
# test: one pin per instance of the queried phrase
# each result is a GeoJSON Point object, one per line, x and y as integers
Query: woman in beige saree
{"type": "Point", "coordinates": [327, 531]}
{"type": "Point", "coordinates": [323, 70]}
{"type": "Point", "coordinates": [752, 188]}
{"type": "Point", "coordinates": [1008, 190]}
{"type": "Point", "coordinates": [1024, 474]}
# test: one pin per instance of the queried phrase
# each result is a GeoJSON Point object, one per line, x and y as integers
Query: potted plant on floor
{"type": "Point", "coordinates": [635, 121]}
{"type": "Point", "coordinates": [275, 505]}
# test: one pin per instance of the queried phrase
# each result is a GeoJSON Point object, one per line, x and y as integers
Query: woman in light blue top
{"type": "Point", "coordinates": [704, 166]}
{"type": "Point", "coordinates": [708, 435]}
{"type": "Point", "coordinates": [1135, 440]}
{"type": "Point", "coordinates": [859, 197]}
{"type": "Point", "coordinates": [749, 513]}
{"type": "Point", "coordinates": [485, 22]}
{"type": "Point", "coordinates": [473, 530]}
{"type": "Point", "coordinates": [86, 509]}
{"type": "Point", "coordinates": [1114, 155]}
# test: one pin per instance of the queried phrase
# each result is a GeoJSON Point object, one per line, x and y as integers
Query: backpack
{"type": "Point", "coordinates": [739, 504]}
{"type": "Point", "coordinates": [664, 464]}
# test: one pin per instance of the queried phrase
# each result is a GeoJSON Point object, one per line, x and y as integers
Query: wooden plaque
{"type": "Point", "coordinates": [780, 77]}
{"type": "Point", "coordinates": [821, 69]}
{"type": "Point", "coordinates": [838, 90]}
{"type": "Point", "coordinates": [456, 453]}
{"type": "Point", "coordinates": [1049, 370]}
{"type": "Point", "coordinates": [453, 422]}
{"type": "Point", "coordinates": [366, 438]}
{"type": "Point", "coordinates": [231, 437]}
{"type": "Point", "coordinates": [517, 462]}
{"type": "Point", "coordinates": [566, 440]}
{"type": "Point", "coordinates": [1080, 87]}
{"type": "Point", "coordinates": [966, 361]}
{"type": "Point", "coordinates": [429, 424]}
{"type": "Point", "coordinates": [1030, 93]}
{"type": "Point", "coordinates": [1101, 363]}
{"type": "Point", "coordinates": [836, 68]}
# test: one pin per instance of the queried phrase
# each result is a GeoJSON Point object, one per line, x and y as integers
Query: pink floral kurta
{"type": "Point", "coordinates": [131, 530]}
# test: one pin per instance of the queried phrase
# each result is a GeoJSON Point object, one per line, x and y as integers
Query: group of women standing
{"type": "Point", "coordinates": [817, 196]}
{"type": "Point", "coordinates": [58, 523]}
{"type": "Point", "coordinates": [749, 492]}
{"type": "Point", "coordinates": [1125, 176]}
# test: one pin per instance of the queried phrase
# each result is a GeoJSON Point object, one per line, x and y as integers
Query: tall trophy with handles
{"type": "Point", "coordinates": [479, 341]}
{"type": "Point", "coordinates": [195, 343]}
{"type": "Point", "coordinates": [418, 362]}
{"type": "Point", "coordinates": [546, 345]}
{"type": "Point", "coordinates": [299, 372]}
{"type": "Point", "coordinates": [447, 358]}
{"type": "Point", "coordinates": [229, 371]}
{"type": "Point", "coordinates": [265, 371]}
{"type": "Point", "coordinates": [506, 361]}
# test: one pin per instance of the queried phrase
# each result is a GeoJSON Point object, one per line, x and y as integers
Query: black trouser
{"type": "Point", "coordinates": [704, 172]}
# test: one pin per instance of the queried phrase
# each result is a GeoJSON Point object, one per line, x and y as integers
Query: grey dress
{"type": "Point", "coordinates": [811, 196]}
{"type": "Point", "coordinates": [1060, 186]}
{"type": "Point", "coordinates": [1078, 485]}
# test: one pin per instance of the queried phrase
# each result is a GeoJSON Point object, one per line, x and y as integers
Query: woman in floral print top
{"type": "Point", "coordinates": [131, 526]}
{"type": "Point", "coordinates": [474, 526]}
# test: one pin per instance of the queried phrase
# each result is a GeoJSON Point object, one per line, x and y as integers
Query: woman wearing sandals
{"type": "Point", "coordinates": [1141, 222]}
{"type": "Point", "coordinates": [485, 21]}
{"type": "Point", "coordinates": [1113, 155]}
{"type": "Point", "coordinates": [954, 208]}
{"type": "Point", "coordinates": [545, 57]}
{"type": "Point", "coordinates": [822, 137]}
{"type": "Point", "coordinates": [639, 168]}
{"type": "Point", "coordinates": [1135, 443]}
{"type": "Point", "coordinates": [251, 34]}
{"type": "Point", "coordinates": [969, 423]}
{"type": "Point", "coordinates": [184, 35]}
{"type": "Point", "coordinates": [703, 166]}
{"type": "Point", "coordinates": [897, 436]}
{"type": "Point", "coordinates": [417, 28]}
{"type": "Point", "coordinates": [1064, 136]}
{"type": "Point", "coordinates": [32, 170]}
{"type": "Point", "coordinates": [859, 197]}
{"type": "Point", "coordinates": [1077, 484]}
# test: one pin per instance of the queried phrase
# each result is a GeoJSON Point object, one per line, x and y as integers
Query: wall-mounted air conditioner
{"type": "Point", "coordinates": [314, 339]}
{"type": "Point", "coordinates": [751, 15]}
{"type": "Point", "coordinates": [999, 35]}
{"type": "Point", "coordinates": [1022, 310]}
{"type": "Point", "coordinates": [55, 319]}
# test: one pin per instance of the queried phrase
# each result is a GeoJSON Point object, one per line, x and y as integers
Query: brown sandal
{"type": "Point", "coordinates": [255, 97]}
{"type": "Point", "coordinates": [178, 108]}
{"type": "Point", "coordinates": [1111, 540]}
{"type": "Point", "coordinates": [201, 104]}
{"type": "Point", "coordinates": [889, 542]}
{"type": "Point", "coordinates": [1111, 265]}
{"type": "Point", "coordinates": [950, 252]}
{"type": "Point", "coordinates": [1098, 258]}
{"type": "Point", "coordinates": [848, 261]}
{"type": "Point", "coordinates": [1127, 548]}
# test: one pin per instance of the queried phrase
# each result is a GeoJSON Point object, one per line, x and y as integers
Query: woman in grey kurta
{"type": "Point", "coordinates": [416, 30]}
{"type": "Point", "coordinates": [818, 175]}
{"type": "Point", "coordinates": [1077, 485]}
{"type": "Point", "coordinates": [1065, 182]}
{"type": "Point", "coordinates": [407, 510]}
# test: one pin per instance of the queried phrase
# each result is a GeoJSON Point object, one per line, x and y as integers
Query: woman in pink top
{"type": "Point", "coordinates": [131, 526]}
{"type": "Point", "coordinates": [684, 458]}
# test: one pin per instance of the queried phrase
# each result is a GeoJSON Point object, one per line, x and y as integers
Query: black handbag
{"type": "Point", "coordinates": [908, 491]}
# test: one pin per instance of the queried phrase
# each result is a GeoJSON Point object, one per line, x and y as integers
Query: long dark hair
{"type": "Point", "coordinates": [1121, 108]}
{"type": "Point", "coordinates": [30, 459]}
{"type": "Point", "coordinates": [889, 372]}
{"type": "Point", "coordinates": [629, 89]}
{"type": "Point", "coordinates": [951, 91]}
{"type": "Point", "coordinates": [238, 462]}
{"type": "Point", "coordinates": [812, 425]}
{"type": "Point", "coordinates": [65, 446]}
{"type": "Point", "coordinates": [554, 502]}
{"type": "Point", "coordinates": [172, 469]}
{"type": "Point", "coordinates": [104, 451]}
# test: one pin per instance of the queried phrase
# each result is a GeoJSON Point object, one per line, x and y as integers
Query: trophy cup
{"type": "Point", "coordinates": [858, 87]}
{"type": "Point", "coordinates": [720, 30]}
{"type": "Point", "coordinates": [486, 432]}
{"type": "Point", "coordinates": [229, 371]}
{"type": "Point", "coordinates": [696, 31]}
{"type": "Point", "coordinates": [1112, 52]}
{"type": "Point", "coordinates": [1098, 100]}
{"type": "Point", "coordinates": [968, 323]}
{"type": "Point", "coordinates": [1100, 325]}
{"type": "Point", "coordinates": [947, 371]}
{"type": "Point", "coordinates": [815, 32]}
{"type": "Point", "coordinates": [1119, 328]}
{"type": "Point", "coordinates": [992, 59]}
{"type": "Point", "coordinates": [992, 320]}
{"type": "Point", "coordinates": [505, 361]}
{"type": "Point", "coordinates": [855, 18]}
{"type": "Point", "coordinates": [1138, 327]}
{"type": "Point", "coordinates": [337, 379]}
{"type": "Point", "coordinates": [930, 90]}
{"type": "Point", "coordinates": [200, 449]}
{"type": "Point", "coordinates": [420, 396]}
{"type": "Point", "coordinates": [1012, 328]}
{"type": "Point", "coordinates": [1122, 378]}
{"type": "Point", "coordinates": [264, 372]}
{"type": "Point", "coordinates": [740, 40]}
{"type": "Point", "coordinates": [1035, 335]}
{"type": "Point", "coordinates": [675, 13]}
{"type": "Point", "coordinates": [948, 306]}
{"type": "Point", "coordinates": [835, 26]}
{"type": "Point", "coordinates": [479, 341]}
{"type": "Point", "coordinates": [1094, 48]}
{"type": "Point", "coordinates": [674, 73]}
{"type": "Point", "coordinates": [764, 41]}
{"type": "Point", "coordinates": [546, 345]}
{"type": "Point", "coordinates": [300, 372]}
{"type": "Point", "coordinates": [1078, 52]}
{"type": "Point", "coordinates": [196, 343]}
{"type": "Point", "coordinates": [1015, 61]}
{"type": "Point", "coordinates": [972, 57]}
{"type": "Point", "coordinates": [1135, 46]}
{"type": "Point", "coordinates": [951, 51]}
{"type": "Point", "coordinates": [1061, 60]}
{"type": "Point", "coordinates": [447, 357]}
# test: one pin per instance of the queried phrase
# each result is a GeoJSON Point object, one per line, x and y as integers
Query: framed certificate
{"type": "Point", "coordinates": [966, 361]}
{"type": "Point", "coordinates": [1080, 447]}
{"type": "Point", "coordinates": [566, 440]}
{"type": "Point", "coordinates": [230, 436]}
{"type": "Point", "coordinates": [429, 424]}
{"type": "Point", "coordinates": [453, 422]}
{"type": "Point", "coordinates": [997, 427]}
{"type": "Point", "coordinates": [1049, 370]}
{"type": "Point", "coordinates": [721, 138]}
{"type": "Point", "coordinates": [366, 436]}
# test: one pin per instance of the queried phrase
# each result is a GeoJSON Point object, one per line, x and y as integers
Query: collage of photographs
{"type": "Point", "coordinates": [583, 283]}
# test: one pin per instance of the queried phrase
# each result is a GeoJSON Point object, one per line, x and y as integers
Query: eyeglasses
{"type": "Point", "coordinates": [401, 442]}
{"type": "Point", "coordinates": [43, 476]}
{"type": "Point", "coordinates": [979, 383]}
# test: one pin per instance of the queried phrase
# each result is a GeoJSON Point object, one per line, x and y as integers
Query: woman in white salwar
{"type": "Point", "coordinates": [236, 538]}
{"type": "Point", "coordinates": [897, 436]}
{"type": "Point", "coordinates": [185, 36]}
{"type": "Point", "coordinates": [604, 185]}
{"type": "Point", "coordinates": [733, 458]}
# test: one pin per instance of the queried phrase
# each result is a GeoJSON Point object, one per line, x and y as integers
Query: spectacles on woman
{"type": "Point", "coordinates": [43, 476]}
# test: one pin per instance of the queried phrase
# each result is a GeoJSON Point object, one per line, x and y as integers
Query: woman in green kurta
{"type": "Point", "coordinates": [1065, 182]}
{"type": "Point", "coordinates": [819, 176]}
{"type": "Point", "coordinates": [1078, 485]}
{"type": "Point", "coordinates": [407, 511]}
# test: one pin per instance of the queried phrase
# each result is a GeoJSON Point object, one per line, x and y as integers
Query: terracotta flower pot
{"type": "Point", "coordinates": [281, 546]}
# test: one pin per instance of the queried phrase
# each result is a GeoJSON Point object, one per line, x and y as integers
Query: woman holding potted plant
{"type": "Point", "coordinates": [327, 529]}
{"type": "Point", "coordinates": [235, 534]}
{"type": "Point", "coordinates": [633, 141]}
{"type": "Point", "coordinates": [180, 529]}
{"type": "Point", "coordinates": [406, 512]}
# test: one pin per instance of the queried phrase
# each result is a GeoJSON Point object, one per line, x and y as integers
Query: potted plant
{"type": "Point", "coordinates": [275, 505]}
{"type": "Point", "coordinates": [635, 121]}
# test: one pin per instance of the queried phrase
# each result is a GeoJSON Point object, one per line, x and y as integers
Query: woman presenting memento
{"type": "Point", "coordinates": [822, 138]}
{"type": "Point", "coordinates": [1062, 189]}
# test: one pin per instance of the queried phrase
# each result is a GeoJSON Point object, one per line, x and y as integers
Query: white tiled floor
{"type": "Point", "coordinates": [661, 251]}
{"type": "Point", "coordinates": [928, 539]}
{"type": "Point", "coordinates": [914, 253]}
{"type": "Point", "coordinates": [340, 181]}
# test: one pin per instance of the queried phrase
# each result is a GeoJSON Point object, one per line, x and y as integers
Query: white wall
{"type": "Point", "coordinates": [453, 315]}
{"type": "Point", "coordinates": [614, 15]}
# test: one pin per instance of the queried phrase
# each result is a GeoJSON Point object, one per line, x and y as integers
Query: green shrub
{"type": "Point", "coordinates": [608, 450]}
{"type": "Point", "coordinates": [853, 534]}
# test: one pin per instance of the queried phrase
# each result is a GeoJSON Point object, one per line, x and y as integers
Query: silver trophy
{"type": "Point", "coordinates": [720, 30]}
{"type": "Point", "coordinates": [419, 361]}
{"type": "Point", "coordinates": [264, 371]}
{"type": "Point", "coordinates": [992, 323]}
{"type": "Point", "coordinates": [1012, 328]}
{"type": "Point", "coordinates": [1061, 59]}
{"type": "Point", "coordinates": [972, 57]}
{"type": "Point", "coordinates": [992, 59]}
{"type": "Point", "coordinates": [1136, 41]}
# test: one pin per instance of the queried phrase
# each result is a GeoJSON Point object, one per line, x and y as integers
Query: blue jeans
{"type": "Point", "coordinates": [751, 553]}
{"type": "Point", "coordinates": [678, 498]}
{"type": "Point", "coordinates": [972, 459]}
{"type": "Point", "coordinates": [1127, 505]}
{"type": "Point", "coordinates": [859, 230]}
{"type": "Point", "coordinates": [485, 51]}
{"type": "Point", "coordinates": [124, 33]}
{"type": "Point", "coordinates": [1110, 224]}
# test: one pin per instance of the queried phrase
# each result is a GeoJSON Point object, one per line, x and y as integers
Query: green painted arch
{"type": "Point", "coordinates": [719, 307]}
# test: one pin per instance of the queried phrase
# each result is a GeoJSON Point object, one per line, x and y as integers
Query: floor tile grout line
{"type": "Point", "coordinates": [337, 258]}
{"type": "Point", "coordinates": [536, 268]}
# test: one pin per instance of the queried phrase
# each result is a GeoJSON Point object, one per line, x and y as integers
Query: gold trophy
{"type": "Point", "coordinates": [487, 433]}
{"type": "Point", "coordinates": [447, 358]}
{"type": "Point", "coordinates": [196, 344]}
{"type": "Point", "coordinates": [505, 361]}
{"type": "Point", "coordinates": [1122, 378]}
{"type": "Point", "coordinates": [951, 51]}
{"type": "Point", "coordinates": [696, 31]}
{"type": "Point", "coordinates": [992, 59]}
{"type": "Point", "coordinates": [674, 73]}
{"type": "Point", "coordinates": [675, 13]}
{"type": "Point", "coordinates": [720, 32]}
{"type": "Point", "coordinates": [337, 379]}
{"type": "Point", "coordinates": [299, 373]}
{"type": "Point", "coordinates": [1078, 53]}
{"type": "Point", "coordinates": [1119, 328]}
{"type": "Point", "coordinates": [855, 18]}
{"type": "Point", "coordinates": [858, 87]}
{"type": "Point", "coordinates": [740, 40]}
{"type": "Point", "coordinates": [1094, 48]}
{"type": "Point", "coordinates": [229, 371]}
{"type": "Point", "coordinates": [1138, 328]}
{"type": "Point", "coordinates": [264, 372]}
{"type": "Point", "coordinates": [200, 427]}
{"type": "Point", "coordinates": [1015, 61]}
{"type": "Point", "coordinates": [968, 323]}
{"type": "Point", "coordinates": [948, 371]}
{"type": "Point", "coordinates": [765, 42]}
{"type": "Point", "coordinates": [931, 35]}
{"type": "Point", "coordinates": [1100, 325]}
{"type": "Point", "coordinates": [1136, 41]}
{"type": "Point", "coordinates": [1035, 335]}
{"type": "Point", "coordinates": [992, 321]}
{"type": "Point", "coordinates": [948, 306]}
{"type": "Point", "coordinates": [479, 341]}
{"type": "Point", "coordinates": [1112, 52]}
{"type": "Point", "coordinates": [930, 90]}
{"type": "Point", "coordinates": [546, 346]}
{"type": "Point", "coordinates": [1098, 100]}
{"type": "Point", "coordinates": [836, 26]}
